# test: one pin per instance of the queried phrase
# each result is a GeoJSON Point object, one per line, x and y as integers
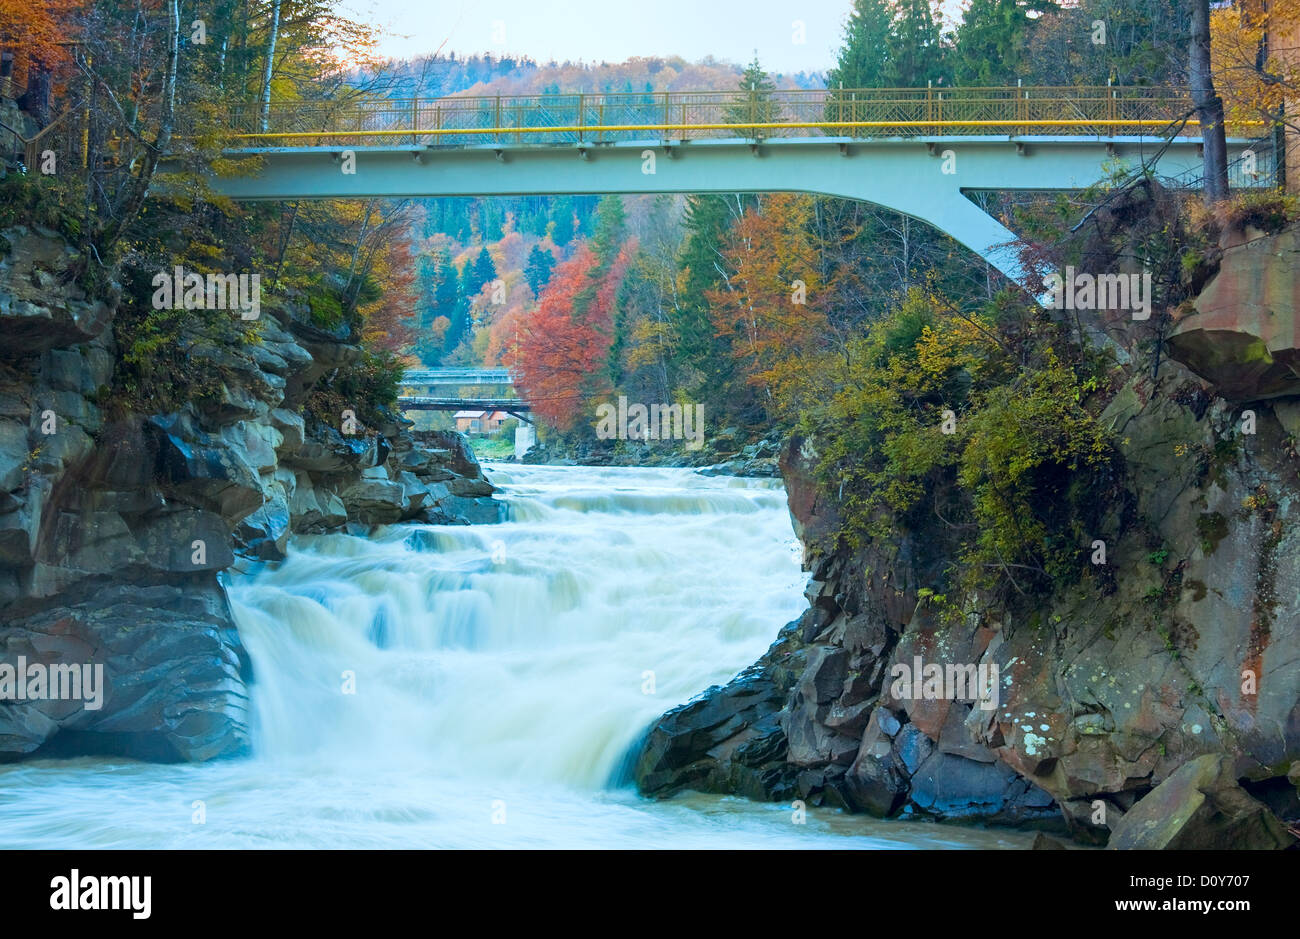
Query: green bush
{"type": "Point", "coordinates": [972, 425]}
{"type": "Point", "coordinates": [33, 199]}
{"type": "Point", "coordinates": [1268, 210]}
{"type": "Point", "coordinates": [367, 386]}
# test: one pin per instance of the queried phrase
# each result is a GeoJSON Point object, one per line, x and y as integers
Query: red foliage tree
{"type": "Point", "coordinates": [562, 356]}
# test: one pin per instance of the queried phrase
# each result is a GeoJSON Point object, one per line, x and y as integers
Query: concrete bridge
{"type": "Point", "coordinates": [460, 389]}
{"type": "Point", "coordinates": [917, 151]}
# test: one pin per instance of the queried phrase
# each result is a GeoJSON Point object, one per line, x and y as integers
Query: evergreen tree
{"type": "Point", "coordinates": [915, 52]}
{"type": "Point", "coordinates": [538, 269]}
{"type": "Point", "coordinates": [460, 324]}
{"type": "Point", "coordinates": [610, 224]}
{"type": "Point", "coordinates": [700, 352]}
{"type": "Point", "coordinates": [447, 287]}
{"type": "Point", "coordinates": [993, 39]}
{"type": "Point", "coordinates": [887, 44]}
{"type": "Point", "coordinates": [483, 272]}
{"type": "Point", "coordinates": [426, 275]}
{"type": "Point", "coordinates": [861, 61]}
{"type": "Point", "coordinates": [760, 108]}
{"type": "Point", "coordinates": [562, 230]}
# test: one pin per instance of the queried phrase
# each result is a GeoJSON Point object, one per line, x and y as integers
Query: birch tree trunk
{"type": "Point", "coordinates": [270, 65]}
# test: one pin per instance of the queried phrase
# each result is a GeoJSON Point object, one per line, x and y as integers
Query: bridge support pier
{"type": "Point", "coordinates": [525, 437]}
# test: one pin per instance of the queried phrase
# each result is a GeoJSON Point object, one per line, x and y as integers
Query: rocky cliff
{"type": "Point", "coordinates": [116, 527]}
{"type": "Point", "coordinates": [1188, 650]}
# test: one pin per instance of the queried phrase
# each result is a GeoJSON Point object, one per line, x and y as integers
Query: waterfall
{"type": "Point", "coordinates": [500, 675]}
{"type": "Point", "coordinates": [536, 649]}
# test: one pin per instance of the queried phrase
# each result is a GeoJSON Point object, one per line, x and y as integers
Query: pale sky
{"type": "Point", "coordinates": [614, 30]}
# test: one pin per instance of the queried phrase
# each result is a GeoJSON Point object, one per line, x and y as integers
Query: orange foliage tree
{"type": "Point", "coordinates": [1256, 58]}
{"type": "Point", "coordinates": [770, 307]}
{"type": "Point", "coordinates": [34, 30]}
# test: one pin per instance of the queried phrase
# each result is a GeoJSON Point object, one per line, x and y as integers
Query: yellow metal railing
{"type": "Point", "coordinates": [600, 118]}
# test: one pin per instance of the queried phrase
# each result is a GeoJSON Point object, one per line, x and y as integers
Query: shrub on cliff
{"type": "Point", "coordinates": [367, 386]}
{"type": "Point", "coordinates": [33, 199]}
{"type": "Point", "coordinates": [977, 425]}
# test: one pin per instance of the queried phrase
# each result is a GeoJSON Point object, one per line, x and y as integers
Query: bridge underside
{"type": "Point", "coordinates": [431, 403]}
{"type": "Point", "coordinates": [926, 178]}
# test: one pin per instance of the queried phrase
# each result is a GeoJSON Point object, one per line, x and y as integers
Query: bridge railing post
{"type": "Point", "coordinates": [415, 119]}
{"type": "Point", "coordinates": [582, 114]}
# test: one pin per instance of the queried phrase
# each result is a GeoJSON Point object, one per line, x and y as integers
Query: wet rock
{"type": "Point", "coordinates": [877, 782]}
{"type": "Point", "coordinates": [328, 451]}
{"type": "Point", "coordinates": [460, 510]}
{"type": "Point", "coordinates": [313, 511]}
{"type": "Point", "coordinates": [470, 487]}
{"type": "Point", "coordinates": [14, 454]}
{"type": "Point", "coordinates": [292, 431]}
{"type": "Point", "coordinates": [1200, 806]}
{"type": "Point", "coordinates": [174, 674]}
{"type": "Point", "coordinates": [688, 746]}
{"type": "Point", "coordinates": [211, 473]}
{"type": "Point", "coordinates": [1044, 842]}
{"type": "Point", "coordinates": [955, 788]}
{"type": "Point", "coordinates": [265, 534]}
{"type": "Point", "coordinates": [374, 501]}
{"type": "Point", "coordinates": [749, 466]}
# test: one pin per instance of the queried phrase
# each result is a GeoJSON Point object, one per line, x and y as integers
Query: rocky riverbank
{"type": "Point", "coordinates": [116, 526]}
{"type": "Point", "coordinates": [730, 452]}
{"type": "Point", "coordinates": [1160, 711]}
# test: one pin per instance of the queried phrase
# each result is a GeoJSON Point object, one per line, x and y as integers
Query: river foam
{"type": "Point", "coordinates": [480, 686]}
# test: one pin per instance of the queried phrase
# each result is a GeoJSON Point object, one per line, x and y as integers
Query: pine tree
{"type": "Point", "coordinates": [460, 322]}
{"type": "Point", "coordinates": [561, 227]}
{"type": "Point", "coordinates": [862, 59]}
{"type": "Point", "coordinates": [993, 38]}
{"type": "Point", "coordinates": [887, 44]}
{"type": "Point", "coordinates": [538, 269]}
{"type": "Point", "coordinates": [700, 351]}
{"type": "Point", "coordinates": [915, 52]}
{"type": "Point", "coordinates": [759, 108]}
{"type": "Point", "coordinates": [484, 272]}
{"type": "Point", "coordinates": [610, 224]}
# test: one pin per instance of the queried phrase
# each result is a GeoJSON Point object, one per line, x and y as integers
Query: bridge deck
{"type": "Point", "coordinates": [1093, 111]}
{"type": "Point", "coordinates": [436, 403]}
{"type": "Point", "coordinates": [457, 376]}
{"type": "Point", "coordinates": [1000, 139]}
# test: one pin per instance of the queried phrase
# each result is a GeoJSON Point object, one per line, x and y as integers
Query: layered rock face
{"type": "Point", "coordinates": [1102, 694]}
{"type": "Point", "coordinates": [1239, 335]}
{"type": "Point", "coordinates": [116, 527]}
